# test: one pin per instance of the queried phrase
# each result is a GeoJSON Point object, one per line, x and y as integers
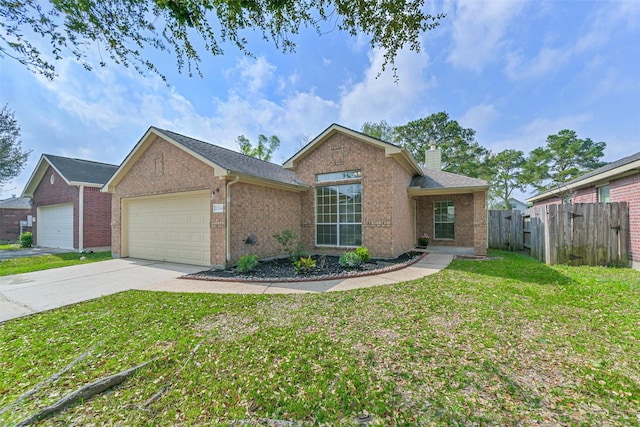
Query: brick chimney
{"type": "Point", "coordinates": [433, 157]}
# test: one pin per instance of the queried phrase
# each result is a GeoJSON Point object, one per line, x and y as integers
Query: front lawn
{"type": "Point", "coordinates": [45, 262]}
{"type": "Point", "coordinates": [501, 342]}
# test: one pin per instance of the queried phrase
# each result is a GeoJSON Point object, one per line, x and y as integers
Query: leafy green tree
{"type": "Point", "coordinates": [381, 130]}
{"type": "Point", "coordinates": [564, 158]}
{"type": "Point", "coordinates": [505, 176]}
{"type": "Point", "coordinates": [125, 30]}
{"type": "Point", "coordinates": [12, 157]}
{"type": "Point", "coordinates": [263, 150]}
{"type": "Point", "coordinates": [461, 153]}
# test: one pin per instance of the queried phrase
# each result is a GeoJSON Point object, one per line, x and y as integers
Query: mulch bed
{"type": "Point", "coordinates": [327, 268]}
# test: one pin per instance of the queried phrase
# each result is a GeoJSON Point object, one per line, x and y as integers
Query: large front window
{"type": "Point", "coordinates": [339, 215]}
{"type": "Point", "coordinates": [444, 219]}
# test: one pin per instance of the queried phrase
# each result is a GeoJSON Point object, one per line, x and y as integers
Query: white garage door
{"type": "Point", "coordinates": [171, 228]}
{"type": "Point", "coordinates": [55, 226]}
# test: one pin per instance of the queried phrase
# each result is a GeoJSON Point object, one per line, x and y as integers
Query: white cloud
{"type": "Point", "coordinates": [534, 134]}
{"type": "Point", "coordinates": [256, 73]}
{"type": "Point", "coordinates": [547, 60]}
{"type": "Point", "coordinates": [479, 28]}
{"type": "Point", "coordinates": [384, 97]}
{"type": "Point", "coordinates": [479, 117]}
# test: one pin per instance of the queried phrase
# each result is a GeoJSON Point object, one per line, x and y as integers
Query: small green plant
{"type": "Point", "coordinates": [289, 241]}
{"type": "Point", "coordinates": [246, 263]}
{"type": "Point", "coordinates": [350, 260]}
{"type": "Point", "coordinates": [26, 239]}
{"type": "Point", "coordinates": [363, 253]}
{"type": "Point", "coordinates": [304, 265]}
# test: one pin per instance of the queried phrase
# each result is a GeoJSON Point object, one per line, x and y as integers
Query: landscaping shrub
{"type": "Point", "coordinates": [288, 239]}
{"type": "Point", "coordinates": [246, 263]}
{"type": "Point", "coordinates": [26, 239]}
{"type": "Point", "coordinates": [363, 253]}
{"type": "Point", "coordinates": [304, 264]}
{"type": "Point", "coordinates": [350, 259]}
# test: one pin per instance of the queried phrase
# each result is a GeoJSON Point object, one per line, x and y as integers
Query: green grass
{"type": "Point", "coordinates": [10, 247]}
{"type": "Point", "coordinates": [499, 342]}
{"type": "Point", "coordinates": [45, 262]}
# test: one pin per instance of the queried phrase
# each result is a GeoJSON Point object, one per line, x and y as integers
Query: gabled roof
{"type": "Point", "coordinates": [440, 182]}
{"type": "Point", "coordinates": [625, 166]}
{"type": "Point", "coordinates": [16, 203]}
{"type": "Point", "coordinates": [73, 171]}
{"type": "Point", "coordinates": [225, 162]}
{"type": "Point", "coordinates": [391, 150]}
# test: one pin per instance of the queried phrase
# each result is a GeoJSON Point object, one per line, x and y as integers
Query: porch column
{"type": "Point", "coordinates": [480, 222]}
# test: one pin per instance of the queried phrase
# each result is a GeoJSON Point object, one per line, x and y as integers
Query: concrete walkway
{"type": "Point", "coordinates": [28, 293]}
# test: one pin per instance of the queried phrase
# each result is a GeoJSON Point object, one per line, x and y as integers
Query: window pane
{"type": "Point", "coordinates": [327, 234]}
{"type": "Point", "coordinates": [338, 176]}
{"type": "Point", "coordinates": [444, 219]}
{"type": "Point", "coordinates": [351, 235]}
{"type": "Point", "coordinates": [339, 215]}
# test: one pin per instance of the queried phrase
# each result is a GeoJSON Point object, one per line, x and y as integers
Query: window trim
{"type": "Point", "coordinates": [453, 203]}
{"type": "Point", "coordinates": [337, 223]}
{"type": "Point", "coordinates": [357, 175]}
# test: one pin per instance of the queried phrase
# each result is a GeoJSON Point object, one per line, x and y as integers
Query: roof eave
{"type": "Point", "coordinates": [250, 179]}
{"type": "Point", "coordinates": [619, 172]}
{"type": "Point", "coordinates": [419, 191]}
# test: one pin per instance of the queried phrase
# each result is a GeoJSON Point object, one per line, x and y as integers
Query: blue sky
{"type": "Point", "coordinates": [515, 71]}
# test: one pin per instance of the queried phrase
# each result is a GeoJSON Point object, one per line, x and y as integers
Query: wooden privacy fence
{"type": "Point", "coordinates": [580, 233]}
{"type": "Point", "coordinates": [576, 234]}
{"type": "Point", "coordinates": [505, 230]}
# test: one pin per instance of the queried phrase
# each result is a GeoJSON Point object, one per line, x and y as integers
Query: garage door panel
{"type": "Point", "coordinates": [172, 229]}
{"type": "Point", "coordinates": [55, 226]}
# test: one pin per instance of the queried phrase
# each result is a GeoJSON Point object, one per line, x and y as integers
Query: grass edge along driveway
{"type": "Point", "coordinates": [45, 262]}
{"type": "Point", "coordinates": [494, 342]}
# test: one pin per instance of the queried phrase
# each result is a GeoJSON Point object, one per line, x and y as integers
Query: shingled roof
{"type": "Point", "coordinates": [436, 179]}
{"type": "Point", "coordinates": [84, 171]}
{"type": "Point", "coordinates": [622, 166]}
{"type": "Point", "coordinates": [73, 171]}
{"type": "Point", "coordinates": [16, 203]}
{"type": "Point", "coordinates": [233, 161]}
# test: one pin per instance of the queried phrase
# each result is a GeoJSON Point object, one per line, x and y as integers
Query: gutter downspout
{"type": "Point", "coordinates": [81, 219]}
{"type": "Point", "coordinates": [228, 225]}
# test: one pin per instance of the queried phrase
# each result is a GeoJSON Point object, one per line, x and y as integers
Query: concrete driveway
{"type": "Point", "coordinates": [28, 293]}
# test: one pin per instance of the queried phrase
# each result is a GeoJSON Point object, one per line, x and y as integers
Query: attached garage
{"type": "Point", "coordinates": [55, 226]}
{"type": "Point", "coordinates": [173, 227]}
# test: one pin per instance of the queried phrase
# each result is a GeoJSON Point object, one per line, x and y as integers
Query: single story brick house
{"type": "Point", "coordinates": [183, 200]}
{"type": "Point", "coordinates": [618, 181]}
{"type": "Point", "coordinates": [13, 211]}
{"type": "Point", "coordinates": [70, 210]}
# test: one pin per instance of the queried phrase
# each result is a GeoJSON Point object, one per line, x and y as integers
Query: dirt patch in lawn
{"type": "Point", "coordinates": [327, 267]}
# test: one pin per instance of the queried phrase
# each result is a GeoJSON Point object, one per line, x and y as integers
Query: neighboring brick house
{"type": "Point", "coordinates": [12, 212]}
{"type": "Point", "coordinates": [70, 210]}
{"type": "Point", "coordinates": [183, 200]}
{"type": "Point", "coordinates": [618, 181]}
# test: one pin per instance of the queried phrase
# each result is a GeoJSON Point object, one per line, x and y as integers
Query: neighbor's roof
{"type": "Point", "coordinates": [16, 203]}
{"type": "Point", "coordinates": [400, 154]}
{"type": "Point", "coordinates": [224, 161]}
{"type": "Point", "coordinates": [436, 181]}
{"type": "Point", "coordinates": [622, 167]}
{"type": "Point", "coordinates": [73, 171]}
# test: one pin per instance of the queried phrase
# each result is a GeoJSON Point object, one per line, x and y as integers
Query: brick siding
{"type": "Point", "coordinates": [97, 219]}
{"type": "Point", "coordinates": [464, 219]}
{"type": "Point", "coordinates": [10, 223]}
{"type": "Point", "coordinates": [262, 212]}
